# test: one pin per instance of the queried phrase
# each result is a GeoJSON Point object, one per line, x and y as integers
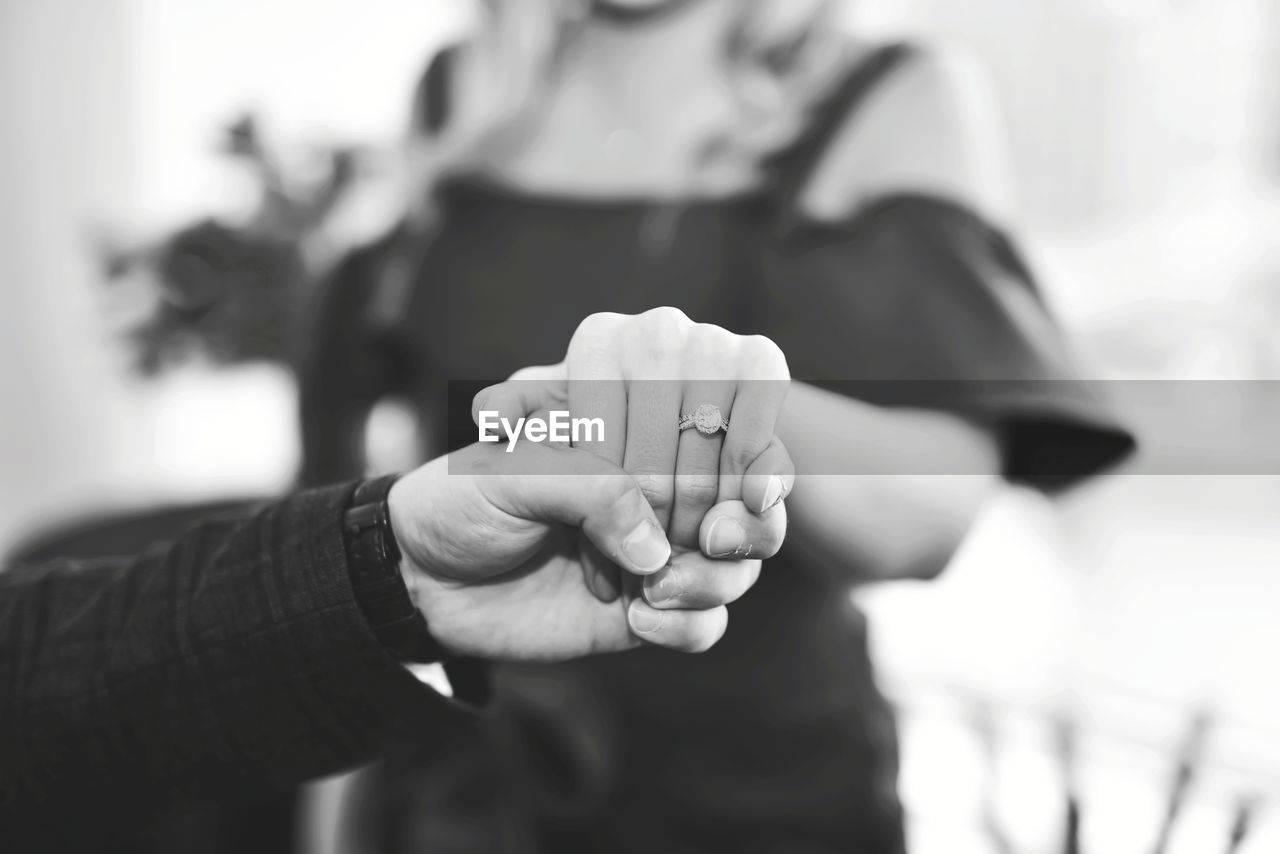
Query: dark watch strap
{"type": "Point", "coordinates": [373, 562]}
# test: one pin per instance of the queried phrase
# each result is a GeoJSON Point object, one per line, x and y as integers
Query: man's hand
{"type": "Point", "coordinates": [492, 557]}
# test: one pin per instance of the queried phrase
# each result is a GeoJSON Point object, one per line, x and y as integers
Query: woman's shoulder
{"type": "Point", "coordinates": [930, 125]}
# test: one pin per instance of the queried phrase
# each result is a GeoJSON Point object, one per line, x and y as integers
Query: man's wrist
{"type": "Point", "coordinates": [380, 579]}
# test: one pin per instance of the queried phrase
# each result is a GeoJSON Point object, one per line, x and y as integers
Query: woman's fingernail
{"type": "Point", "coordinates": [644, 620]}
{"type": "Point", "coordinates": [773, 492]}
{"type": "Point", "coordinates": [664, 587]}
{"type": "Point", "coordinates": [646, 547]}
{"type": "Point", "coordinates": [725, 538]}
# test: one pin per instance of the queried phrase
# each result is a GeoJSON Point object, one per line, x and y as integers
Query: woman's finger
{"type": "Point", "coordinates": [597, 388]}
{"type": "Point", "coordinates": [697, 480]}
{"type": "Point", "coordinates": [596, 391]}
{"type": "Point", "coordinates": [653, 415]}
{"type": "Point", "coordinates": [763, 382]}
{"type": "Point", "coordinates": [770, 479]}
{"type": "Point", "coordinates": [528, 391]}
{"type": "Point", "coordinates": [655, 361]}
{"type": "Point", "coordinates": [694, 581]}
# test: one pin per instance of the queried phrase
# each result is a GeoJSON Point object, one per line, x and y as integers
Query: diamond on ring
{"type": "Point", "coordinates": [708, 420]}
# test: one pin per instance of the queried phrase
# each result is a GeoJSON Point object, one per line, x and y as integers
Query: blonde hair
{"type": "Point", "coordinates": [502, 64]}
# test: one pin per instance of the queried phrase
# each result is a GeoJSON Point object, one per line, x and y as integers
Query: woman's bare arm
{"type": "Point", "coordinates": [933, 127]}
{"type": "Point", "coordinates": [928, 475]}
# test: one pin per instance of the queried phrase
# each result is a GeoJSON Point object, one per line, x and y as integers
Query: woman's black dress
{"type": "Point", "coordinates": [777, 740]}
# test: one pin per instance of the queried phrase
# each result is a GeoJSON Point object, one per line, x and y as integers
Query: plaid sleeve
{"type": "Point", "coordinates": [234, 662]}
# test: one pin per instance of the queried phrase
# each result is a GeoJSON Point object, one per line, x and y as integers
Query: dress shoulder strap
{"type": "Point", "coordinates": [792, 169]}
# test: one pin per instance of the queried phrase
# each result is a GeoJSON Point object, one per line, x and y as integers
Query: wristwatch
{"type": "Point", "coordinates": [373, 562]}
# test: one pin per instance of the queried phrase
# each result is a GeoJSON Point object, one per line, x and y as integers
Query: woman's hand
{"type": "Point", "coordinates": [642, 376]}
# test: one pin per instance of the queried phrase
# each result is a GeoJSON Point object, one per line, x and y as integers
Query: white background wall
{"type": "Point", "coordinates": [68, 146]}
{"type": "Point", "coordinates": [110, 111]}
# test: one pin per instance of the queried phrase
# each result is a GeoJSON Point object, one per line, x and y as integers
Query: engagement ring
{"type": "Point", "coordinates": [707, 419]}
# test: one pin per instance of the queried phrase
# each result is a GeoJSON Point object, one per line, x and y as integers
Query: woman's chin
{"type": "Point", "coordinates": [636, 5]}
{"type": "Point", "coordinates": [636, 8]}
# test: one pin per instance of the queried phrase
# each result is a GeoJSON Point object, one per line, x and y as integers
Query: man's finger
{"type": "Point", "coordinates": [730, 531]}
{"type": "Point", "coordinates": [601, 575]}
{"type": "Point", "coordinates": [683, 631]}
{"type": "Point", "coordinates": [580, 489]}
{"type": "Point", "coordinates": [694, 581]}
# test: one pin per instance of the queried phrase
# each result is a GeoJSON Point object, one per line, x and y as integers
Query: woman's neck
{"type": "Point", "coordinates": [652, 56]}
{"type": "Point", "coordinates": [631, 107]}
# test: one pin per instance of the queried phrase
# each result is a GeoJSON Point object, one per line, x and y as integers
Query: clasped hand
{"type": "Point", "coordinates": [642, 535]}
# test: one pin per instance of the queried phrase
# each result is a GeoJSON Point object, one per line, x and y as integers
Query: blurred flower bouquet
{"type": "Point", "coordinates": [230, 293]}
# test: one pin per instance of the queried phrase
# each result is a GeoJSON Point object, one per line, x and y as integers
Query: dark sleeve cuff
{"type": "Point", "coordinates": [351, 698]}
